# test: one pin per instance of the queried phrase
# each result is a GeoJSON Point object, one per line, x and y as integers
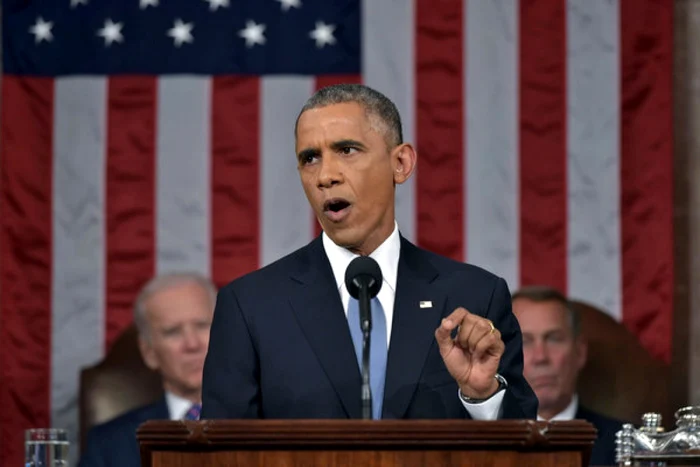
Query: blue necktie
{"type": "Point", "coordinates": [193, 413]}
{"type": "Point", "coordinates": [378, 349]}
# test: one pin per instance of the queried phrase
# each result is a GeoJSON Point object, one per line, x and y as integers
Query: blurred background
{"type": "Point", "coordinates": [557, 140]}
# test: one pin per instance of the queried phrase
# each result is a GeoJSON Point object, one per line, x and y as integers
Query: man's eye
{"type": "Point", "coordinates": [308, 159]}
{"type": "Point", "coordinates": [348, 150]}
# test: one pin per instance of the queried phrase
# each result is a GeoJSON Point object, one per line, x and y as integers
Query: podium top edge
{"type": "Point", "coordinates": [497, 434]}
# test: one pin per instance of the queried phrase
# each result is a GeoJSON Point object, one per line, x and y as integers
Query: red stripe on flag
{"type": "Point", "coordinates": [647, 172]}
{"type": "Point", "coordinates": [25, 260]}
{"type": "Point", "coordinates": [440, 127]}
{"type": "Point", "coordinates": [235, 177]}
{"type": "Point", "coordinates": [321, 82]}
{"type": "Point", "coordinates": [130, 200]}
{"type": "Point", "coordinates": [543, 196]}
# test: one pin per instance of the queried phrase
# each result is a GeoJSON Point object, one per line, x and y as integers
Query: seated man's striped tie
{"type": "Point", "coordinates": [193, 413]}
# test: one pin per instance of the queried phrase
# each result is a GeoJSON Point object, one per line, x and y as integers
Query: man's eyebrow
{"type": "Point", "coordinates": [550, 332]}
{"type": "Point", "coordinates": [344, 143]}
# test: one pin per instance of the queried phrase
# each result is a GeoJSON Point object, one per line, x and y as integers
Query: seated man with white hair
{"type": "Point", "coordinates": [173, 315]}
{"type": "Point", "coordinates": [554, 352]}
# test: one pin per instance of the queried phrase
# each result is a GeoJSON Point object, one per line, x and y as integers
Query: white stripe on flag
{"type": "Point", "coordinates": [183, 170]}
{"type": "Point", "coordinates": [78, 264]}
{"type": "Point", "coordinates": [286, 218]}
{"type": "Point", "coordinates": [491, 181]}
{"type": "Point", "coordinates": [388, 37]}
{"type": "Point", "coordinates": [593, 77]}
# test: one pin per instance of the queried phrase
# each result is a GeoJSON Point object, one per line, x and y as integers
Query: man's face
{"type": "Point", "coordinates": [179, 318]}
{"type": "Point", "coordinates": [552, 355]}
{"type": "Point", "coordinates": [348, 174]}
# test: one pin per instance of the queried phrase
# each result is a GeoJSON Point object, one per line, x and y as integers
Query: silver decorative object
{"type": "Point", "coordinates": [651, 446]}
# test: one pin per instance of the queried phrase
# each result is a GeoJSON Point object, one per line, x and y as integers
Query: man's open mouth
{"type": "Point", "coordinates": [336, 209]}
{"type": "Point", "coordinates": [335, 205]}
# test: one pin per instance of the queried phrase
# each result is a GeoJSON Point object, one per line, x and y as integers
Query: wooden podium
{"type": "Point", "coordinates": [316, 443]}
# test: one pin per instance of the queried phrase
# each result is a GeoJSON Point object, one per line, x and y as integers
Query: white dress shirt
{"type": "Point", "coordinates": [177, 406]}
{"type": "Point", "coordinates": [387, 256]}
{"type": "Point", "coordinates": [569, 413]}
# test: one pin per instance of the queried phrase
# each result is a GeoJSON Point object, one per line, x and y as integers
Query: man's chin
{"type": "Point", "coordinates": [342, 237]}
{"type": "Point", "coordinates": [547, 397]}
{"type": "Point", "coordinates": [192, 387]}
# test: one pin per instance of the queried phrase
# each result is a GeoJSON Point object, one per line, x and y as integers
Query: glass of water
{"type": "Point", "coordinates": [46, 447]}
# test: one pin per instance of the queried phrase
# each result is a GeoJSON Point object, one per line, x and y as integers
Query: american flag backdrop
{"type": "Point", "coordinates": [145, 136]}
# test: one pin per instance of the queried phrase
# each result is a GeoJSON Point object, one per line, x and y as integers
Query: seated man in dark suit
{"type": "Point", "coordinates": [286, 339]}
{"type": "Point", "coordinates": [555, 352]}
{"type": "Point", "coordinates": [173, 316]}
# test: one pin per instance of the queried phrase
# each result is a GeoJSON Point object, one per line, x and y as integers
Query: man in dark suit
{"type": "Point", "coordinates": [282, 341]}
{"type": "Point", "coordinates": [173, 316]}
{"type": "Point", "coordinates": [555, 352]}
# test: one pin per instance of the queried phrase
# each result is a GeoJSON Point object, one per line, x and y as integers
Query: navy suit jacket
{"type": "Point", "coordinates": [603, 452]}
{"type": "Point", "coordinates": [280, 345]}
{"type": "Point", "coordinates": [114, 443]}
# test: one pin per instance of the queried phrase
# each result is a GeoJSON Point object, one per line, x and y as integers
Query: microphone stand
{"type": "Point", "coordinates": [366, 327]}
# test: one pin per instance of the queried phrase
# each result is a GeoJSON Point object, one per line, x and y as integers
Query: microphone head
{"type": "Point", "coordinates": [363, 270]}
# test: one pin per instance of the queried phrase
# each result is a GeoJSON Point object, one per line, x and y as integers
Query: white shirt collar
{"type": "Point", "coordinates": [386, 255]}
{"type": "Point", "coordinates": [177, 406]}
{"type": "Point", "coordinates": [569, 413]}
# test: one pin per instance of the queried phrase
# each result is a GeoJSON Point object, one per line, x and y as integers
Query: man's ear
{"type": "Point", "coordinates": [403, 159]}
{"type": "Point", "coordinates": [148, 354]}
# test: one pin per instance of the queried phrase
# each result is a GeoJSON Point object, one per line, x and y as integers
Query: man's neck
{"type": "Point", "coordinates": [387, 255]}
{"type": "Point", "coordinates": [193, 396]}
{"type": "Point", "coordinates": [561, 412]}
{"type": "Point", "coordinates": [375, 240]}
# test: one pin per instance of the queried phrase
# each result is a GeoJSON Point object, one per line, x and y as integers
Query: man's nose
{"type": "Point", "coordinates": [192, 339]}
{"type": "Point", "coordinates": [539, 352]}
{"type": "Point", "coordinates": [330, 172]}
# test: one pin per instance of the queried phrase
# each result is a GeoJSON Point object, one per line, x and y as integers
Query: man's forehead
{"type": "Point", "coordinates": [526, 304]}
{"type": "Point", "coordinates": [337, 116]}
{"type": "Point", "coordinates": [348, 120]}
{"type": "Point", "coordinates": [542, 328]}
{"type": "Point", "coordinates": [540, 313]}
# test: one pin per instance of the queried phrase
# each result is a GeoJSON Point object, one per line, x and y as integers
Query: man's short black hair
{"type": "Point", "coordinates": [377, 105]}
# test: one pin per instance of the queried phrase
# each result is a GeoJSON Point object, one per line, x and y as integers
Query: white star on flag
{"type": "Point", "coordinates": [323, 34]}
{"type": "Point", "coordinates": [112, 32]}
{"type": "Point", "coordinates": [253, 33]}
{"type": "Point", "coordinates": [75, 3]}
{"type": "Point", "coordinates": [42, 30]}
{"type": "Point", "coordinates": [181, 32]}
{"type": "Point", "coordinates": [143, 4]}
{"type": "Point", "coordinates": [215, 4]}
{"type": "Point", "coordinates": [287, 4]}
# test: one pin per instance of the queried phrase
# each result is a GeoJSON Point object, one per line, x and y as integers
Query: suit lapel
{"type": "Point", "coordinates": [159, 410]}
{"type": "Point", "coordinates": [319, 311]}
{"type": "Point", "coordinates": [413, 328]}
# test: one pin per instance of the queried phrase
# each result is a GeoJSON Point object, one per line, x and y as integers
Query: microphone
{"type": "Point", "coordinates": [363, 279]}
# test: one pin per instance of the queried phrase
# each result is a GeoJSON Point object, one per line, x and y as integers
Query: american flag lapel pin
{"type": "Point", "coordinates": [426, 304]}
